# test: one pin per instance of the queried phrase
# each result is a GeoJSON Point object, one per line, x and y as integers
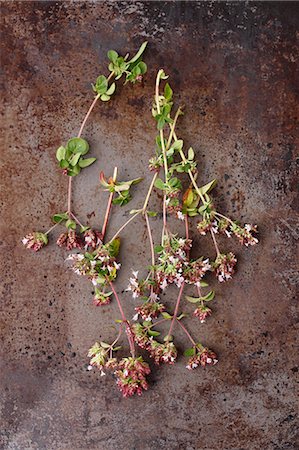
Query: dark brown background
{"type": "Point", "coordinates": [233, 66]}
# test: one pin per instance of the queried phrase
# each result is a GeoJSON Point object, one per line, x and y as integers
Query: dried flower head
{"type": "Point", "coordinates": [131, 376]}
{"type": "Point", "coordinates": [224, 266]}
{"type": "Point", "coordinates": [35, 241]}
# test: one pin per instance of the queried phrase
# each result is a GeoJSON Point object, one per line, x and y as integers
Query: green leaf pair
{"type": "Point", "coordinates": [206, 298]}
{"type": "Point", "coordinates": [102, 88]}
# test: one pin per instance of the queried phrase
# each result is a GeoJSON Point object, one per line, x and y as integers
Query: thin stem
{"type": "Point", "coordinates": [129, 332]}
{"type": "Point", "coordinates": [187, 333]}
{"type": "Point", "coordinates": [109, 204]}
{"type": "Point", "coordinates": [187, 226]}
{"type": "Point", "coordinates": [76, 219]}
{"type": "Point", "coordinates": [149, 192]}
{"type": "Point", "coordinates": [52, 228]}
{"type": "Point", "coordinates": [172, 128]}
{"type": "Point", "coordinates": [176, 309]}
{"type": "Point", "coordinates": [124, 226]}
{"type": "Point", "coordinates": [150, 236]}
{"type": "Point", "coordinates": [224, 217]}
{"type": "Point", "coordinates": [158, 323]}
{"type": "Point", "coordinates": [161, 131]}
{"type": "Point", "coordinates": [88, 114]}
{"type": "Point", "coordinates": [215, 243]}
{"type": "Point", "coordinates": [164, 229]}
{"type": "Point", "coordinates": [69, 196]}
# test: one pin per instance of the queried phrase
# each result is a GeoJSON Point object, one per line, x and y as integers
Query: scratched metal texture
{"type": "Point", "coordinates": [233, 66]}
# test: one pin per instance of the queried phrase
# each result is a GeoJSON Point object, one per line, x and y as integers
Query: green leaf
{"type": "Point", "coordinates": [70, 224]}
{"type": "Point", "coordinates": [190, 153]}
{"type": "Point", "coordinates": [114, 247]}
{"type": "Point", "coordinates": [154, 333]}
{"type": "Point", "coordinates": [151, 213]}
{"type": "Point", "coordinates": [74, 171]}
{"type": "Point", "coordinates": [192, 299]}
{"type": "Point", "coordinates": [203, 284]}
{"type": "Point", "coordinates": [60, 153]}
{"type": "Point", "coordinates": [189, 351]}
{"type": "Point", "coordinates": [75, 159]}
{"type": "Point", "coordinates": [181, 316]}
{"type": "Point", "coordinates": [208, 297]}
{"type": "Point", "coordinates": [105, 98]}
{"type": "Point", "coordinates": [168, 337]}
{"type": "Point", "coordinates": [78, 145]}
{"type": "Point", "coordinates": [143, 67]}
{"type": "Point", "coordinates": [64, 164]}
{"type": "Point", "coordinates": [105, 345]}
{"type": "Point", "coordinates": [111, 89]}
{"type": "Point", "coordinates": [134, 211]}
{"type": "Point", "coordinates": [167, 316]}
{"type": "Point", "coordinates": [158, 248]}
{"type": "Point", "coordinates": [117, 348]}
{"type": "Point", "coordinates": [101, 85]}
{"type": "Point", "coordinates": [86, 162]}
{"type": "Point", "coordinates": [112, 55]}
{"type": "Point", "coordinates": [178, 145]}
{"type": "Point", "coordinates": [139, 53]}
{"type": "Point", "coordinates": [118, 320]}
{"type": "Point", "coordinates": [159, 184]}
{"type": "Point", "coordinates": [168, 92]}
{"type": "Point", "coordinates": [207, 187]}
{"type": "Point", "coordinates": [59, 217]}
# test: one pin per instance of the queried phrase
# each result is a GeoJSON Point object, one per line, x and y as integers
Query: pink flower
{"type": "Point", "coordinates": [35, 241]}
{"type": "Point", "coordinates": [224, 266]}
{"type": "Point", "coordinates": [131, 376]}
{"type": "Point", "coordinates": [202, 312]}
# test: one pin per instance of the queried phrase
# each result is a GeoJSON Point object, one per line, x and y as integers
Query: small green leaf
{"type": "Point", "coordinates": [114, 247]}
{"type": "Point", "coordinates": [203, 284]}
{"type": "Point", "coordinates": [168, 92]}
{"type": "Point", "coordinates": [181, 316]}
{"type": "Point", "coordinates": [134, 211]}
{"type": "Point", "coordinates": [190, 153]}
{"type": "Point", "coordinates": [151, 213]}
{"type": "Point", "coordinates": [111, 89]}
{"type": "Point", "coordinates": [78, 145]}
{"type": "Point", "coordinates": [64, 164]}
{"type": "Point", "coordinates": [86, 162]}
{"type": "Point", "coordinates": [60, 153]}
{"type": "Point", "coordinates": [105, 345]}
{"type": "Point", "coordinates": [189, 351]}
{"type": "Point", "coordinates": [168, 337]}
{"type": "Point", "coordinates": [59, 217]}
{"type": "Point", "coordinates": [70, 224]}
{"type": "Point", "coordinates": [178, 145]}
{"type": "Point", "coordinates": [105, 98]}
{"type": "Point", "coordinates": [192, 299]}
{"type": "Point", "coordinates": [159, 184]}
{"type": "Point", "coordinates": [117, 348]}
{"type": "Point", "coordinates": [166, 315]}
{"type": "Point", "coordinates": [207, 187]}
{"type": "Point", "coordinates": [139, 53]}
{"type": "Point", "coordinates": [112, 55]}
{"type": "Point", "coordinates": [154, 333]}
{"type": "Point", "coordinates": [118, 321]}
{"type": "Point", "coordinates": [158, 248]}
{"type": "Point", "coordinates": [75, 159]}
{"type": "Point", "coordinates": [208, 297]}
{"type": "Point", "coordinates": [83, 229]}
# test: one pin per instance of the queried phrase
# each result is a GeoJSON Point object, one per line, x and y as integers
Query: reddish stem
{"type": "Point", "coordinates": [176, 308]}
{"type": "Point", "coordinates": [187, 333]}
{"type": "Point", "coordinates": [107, 214]}
{"type": "Point", "coordinates": [215, 243]}
{"type": "Point", "coordinates": [128, 328]}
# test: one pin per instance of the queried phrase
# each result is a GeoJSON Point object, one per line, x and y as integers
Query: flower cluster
{"type": "Point", "coordinates": [92, 239]}
{"type": "Point", "coordinates": [131, 376]}
{"type": "Point", "coordinates": [245, 235]}
{"type": "Point", "coordinates": [35, 241]}
{"type": "Point", "coordinates": [161, 352]}
{"type": "Point", "coordinates": [202, 312]}
{"type": "Point", "coordinates": [201, 357]}
{"type": "Point", "coordinates": [172, 261]}
{"type": "Point", "coordinates": [99, 266]}
{"type": "Point", "coordinates": [151, 309]}
{"type": "Point", "coordinates": [224, 266]}
{"type": "Point", "coordinates": [70, 239]}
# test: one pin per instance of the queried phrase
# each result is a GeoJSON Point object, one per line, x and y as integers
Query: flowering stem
{"type": "Point", "coordinates": [187, 333]}
{"type": "Point", "coordinates": [176, 309]}
{"type": "Point", "coordinates": [109, 205]}
{"type": "Point", "coordinates": [215, 243]}
{"type": "Point", "coordinates": [116, 340]}
{"type": "Point", "coordinates": [129, 332]}
{"type": "Point", "coordinates": [172, 128]}
{"type": "Point", "coordinates": [69, 196]}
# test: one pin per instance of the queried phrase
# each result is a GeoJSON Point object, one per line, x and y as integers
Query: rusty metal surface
{"type": "Point", "coordinates": [233, 66]}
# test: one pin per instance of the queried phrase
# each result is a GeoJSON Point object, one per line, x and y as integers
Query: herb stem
{"type": "Point", "coordinates": [224, 217]}
{"type": "Point", "coordinates": [52, 228]}
{"type": "Point", "coordinates": [69, 196]}
{"type": "Point", "coordinates": [109, 204]}
{"type": "Point", "coordinates": [150, 236]}
{"type": "Point", "coordinates": [124, 226]}
{"type": "Point", "coordinates": [128, 328]}
{"type": "Point", "coordinates": [215, 243]}
{"type": "Point", "coordinates": [176, 309]}
{"type": "Point", "coordinates": [187, 332]}
{"type": "Point", "coordinates": [76, 219]}
{"type": "Point", "coordinates": [149, 193]}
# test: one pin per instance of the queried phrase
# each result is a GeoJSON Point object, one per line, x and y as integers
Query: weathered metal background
{"type": "Point", "coordinates": [233, 66]}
